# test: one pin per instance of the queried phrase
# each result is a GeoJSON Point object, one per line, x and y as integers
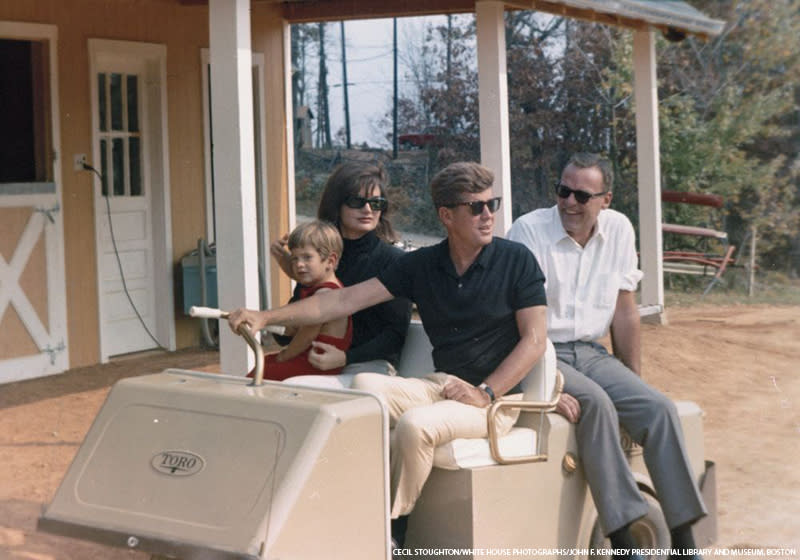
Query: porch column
{"type": "Point", "coordinates": [493, 104]}
{"type": "Point", "coordinates": [649, 176]}
{"type": "Point", "coordinates": [234, 170]}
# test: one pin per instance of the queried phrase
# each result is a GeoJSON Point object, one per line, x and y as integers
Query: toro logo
{"type": "Point", "coordinates": [177, 463]}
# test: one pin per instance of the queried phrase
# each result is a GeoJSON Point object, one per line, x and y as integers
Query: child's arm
{"type": "Point", "coordinates": [302, 339]}
{"type": "Point", "coordinates": [280, 252]}
{"type": "Point", "coordinates": [301, 342]}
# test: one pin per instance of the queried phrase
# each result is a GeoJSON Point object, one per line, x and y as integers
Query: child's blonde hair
{"type": "Point", "coordinates": [322, 236]}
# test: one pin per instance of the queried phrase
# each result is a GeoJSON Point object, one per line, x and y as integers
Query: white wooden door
{"type": "Point", "coordinates": [125, 260]}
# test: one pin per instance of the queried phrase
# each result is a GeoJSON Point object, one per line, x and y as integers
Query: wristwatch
{"type": "Point", "coordinates": [488, 390]}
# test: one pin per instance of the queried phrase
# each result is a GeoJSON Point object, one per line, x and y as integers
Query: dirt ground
{"type": "Point", "coordinates": [741, 364]}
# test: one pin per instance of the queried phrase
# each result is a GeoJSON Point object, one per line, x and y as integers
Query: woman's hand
{"type": "Point", "coordinates": [463, 392]}
{"type": "Point", "coordinates": [326, 356]}
{"type": "Point", "coordinates": [281, 253]}
{"type": "Point", "coordinates": [569, 407]}
{"type": "Point", "coordinates": [256, 320]}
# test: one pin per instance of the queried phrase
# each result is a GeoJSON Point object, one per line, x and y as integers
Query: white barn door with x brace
{"type": "Point", "coordinates": [33, 326]}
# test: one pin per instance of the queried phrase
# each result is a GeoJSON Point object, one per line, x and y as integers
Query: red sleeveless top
{"type": "Point", "coordinates": [299, 365]}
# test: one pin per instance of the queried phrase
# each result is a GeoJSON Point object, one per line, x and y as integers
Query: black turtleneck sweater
{"type": "Point", "coordinates": [378, 331]}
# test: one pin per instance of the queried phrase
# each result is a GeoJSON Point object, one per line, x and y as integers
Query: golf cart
{"type": "Point", "coordinates": [194, 465]}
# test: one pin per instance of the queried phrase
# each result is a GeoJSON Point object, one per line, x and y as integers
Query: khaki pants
{"type": "Point", "coordinates": [422, 420]}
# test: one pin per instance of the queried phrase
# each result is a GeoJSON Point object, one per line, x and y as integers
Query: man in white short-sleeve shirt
{"type": "Point", "coordinates": [588, 255]}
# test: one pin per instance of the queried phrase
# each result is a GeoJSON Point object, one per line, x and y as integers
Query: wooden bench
{"type": "Point", "coordinates": [707, 252]}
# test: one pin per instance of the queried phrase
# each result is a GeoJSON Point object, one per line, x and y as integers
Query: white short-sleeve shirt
{"type": "Point", "coordinates": [582, 283]}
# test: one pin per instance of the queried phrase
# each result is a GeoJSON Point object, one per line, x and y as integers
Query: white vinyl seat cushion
{"type": "Point", "coordinates": [474, 452]}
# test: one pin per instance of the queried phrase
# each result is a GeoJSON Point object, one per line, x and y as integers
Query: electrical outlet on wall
{"type": "Point", "coordinates": [77, 161]}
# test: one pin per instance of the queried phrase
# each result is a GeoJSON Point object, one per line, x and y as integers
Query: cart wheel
{"type": "Point", "coordinates": [650, 531]}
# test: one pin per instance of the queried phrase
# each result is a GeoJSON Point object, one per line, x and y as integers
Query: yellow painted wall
{"type": "Point", "coordinates": [184, 31]}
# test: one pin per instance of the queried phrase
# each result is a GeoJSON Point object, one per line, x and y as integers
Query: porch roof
{"type": "Point", "coordinates": [671, 16]}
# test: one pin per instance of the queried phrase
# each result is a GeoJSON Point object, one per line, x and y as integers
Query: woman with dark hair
{"type": "Point", "coordinates": [355, 201]}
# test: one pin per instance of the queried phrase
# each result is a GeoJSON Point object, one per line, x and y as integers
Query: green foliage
{"type": "Point", "coordinates": [726, 119]}
{"type": "Point", "coordinates": [569, 90]}
{"type": "Point", "coordinates": [725, 112]}
{"type": "Point", "coordinates": [411, 199]}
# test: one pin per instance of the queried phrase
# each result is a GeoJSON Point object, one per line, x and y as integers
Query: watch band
{"type": "Point", "coordinates": [488, 390]}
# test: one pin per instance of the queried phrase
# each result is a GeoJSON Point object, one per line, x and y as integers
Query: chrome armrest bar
{"type": "Point", "coordinates": [527, 406]}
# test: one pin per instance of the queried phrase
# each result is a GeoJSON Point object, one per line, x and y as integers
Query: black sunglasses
{"type": "Point", "coordinates": [377, 203]}
{"type": "Point", "coordinates": [581, 196]}
{"type": "Point", "coordinates": [476, 206]}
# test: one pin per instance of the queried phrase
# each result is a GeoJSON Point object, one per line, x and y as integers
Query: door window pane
{"type": "Point", "coordinates": [116, 102]}
{"type": "Point", "coordinates": [102, 108]}
{"type": "Point", "coordinates": [104, 166]}
{"type": "Point", "coordinates": [133, 103]}
{"type": "Point", "coordinates": [120, 134]}
{"type": "Point", "coordinates": [136, 170]}
{"type": "Point", "coordinates": [118, 170]}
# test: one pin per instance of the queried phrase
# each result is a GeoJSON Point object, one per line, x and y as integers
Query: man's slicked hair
{"type": "Point", "coordinates": [457, 179]}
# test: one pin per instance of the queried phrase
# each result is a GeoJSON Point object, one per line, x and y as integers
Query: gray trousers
{"type": "Point", "coordinates": [611, 395]}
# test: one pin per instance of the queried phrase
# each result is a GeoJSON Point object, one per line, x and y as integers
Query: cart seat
{"type": "Point", "coordinates": [464, 453]}
{"type": "Point", "coordinates": [416, 361]}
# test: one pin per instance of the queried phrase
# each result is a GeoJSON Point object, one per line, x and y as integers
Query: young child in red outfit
{"type": "Point", "coordinates": [316, 247]}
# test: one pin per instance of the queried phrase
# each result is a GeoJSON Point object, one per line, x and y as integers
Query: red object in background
{"type": "Point", "coordinates": [418, 140]}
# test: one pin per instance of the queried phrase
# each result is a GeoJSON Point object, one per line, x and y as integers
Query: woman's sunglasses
{"type": "Point", "coordinates": [377, 203]}
{"type": "Point", "coordinates": [581, 196]}
{"type": "Point", "coordinates": [476, 206]}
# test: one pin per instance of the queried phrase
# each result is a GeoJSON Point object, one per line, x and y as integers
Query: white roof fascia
{"type": "Point", "coordinates": [671, 13]}
{"type": "Point", "coordinates": [667, 13]}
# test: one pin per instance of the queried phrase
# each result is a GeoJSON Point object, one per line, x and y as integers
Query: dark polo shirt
{"type": "Point", "coordinates": [470, 320]}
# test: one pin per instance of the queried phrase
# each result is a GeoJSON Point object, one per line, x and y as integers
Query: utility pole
{"type": "Point", "coordinates": [324, 130]}
{"type": "Point", "coordinates": [299, 37]}
{"type": "Point", "coordinates": [344, 85]}
{"type": "Point", "coordinates": [394, 107]}
{"type": "Point", "coordinates": [449, 49]}
{"type": "Point", "coordinates": [296, 70]}
{"type": "Point", "coordinates": [751, 273]}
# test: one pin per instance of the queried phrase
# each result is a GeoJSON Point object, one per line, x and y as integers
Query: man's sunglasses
{"type": "Point", "coordinates": [476, 206]}
{"type": "Point", "coordinates": [377, 203]}
{"type": "Point", "coordinates": [581, 196]}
